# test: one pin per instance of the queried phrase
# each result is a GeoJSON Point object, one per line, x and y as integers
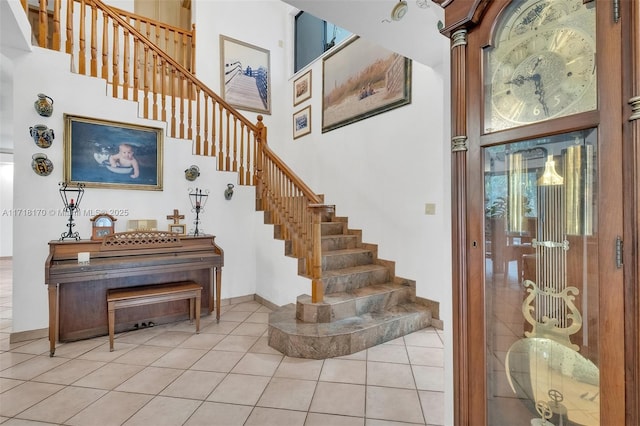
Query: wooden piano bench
{"type": "Point", "coordinates": [146, 295]}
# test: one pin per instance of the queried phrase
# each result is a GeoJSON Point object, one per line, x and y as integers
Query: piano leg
{"type": "Point", "coordinates": [218, 288]}
{"type": "Point", "coordinates": [53, 318]}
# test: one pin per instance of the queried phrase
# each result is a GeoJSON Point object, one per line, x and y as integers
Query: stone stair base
{"type": "Point", "coordinates": [346, 336]}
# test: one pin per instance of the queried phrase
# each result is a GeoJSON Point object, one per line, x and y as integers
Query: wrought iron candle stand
{"type": "Point", "coordinates": [198, 199]}
{"type": "Point", "coordinates": [71, 206]}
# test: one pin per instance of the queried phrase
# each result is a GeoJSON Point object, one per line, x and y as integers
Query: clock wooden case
{"type": "Point", "coordinates": [553, 76]}
{"type": "Point", "coordinates": [101, 225]}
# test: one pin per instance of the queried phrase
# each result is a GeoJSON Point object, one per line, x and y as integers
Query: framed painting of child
{"type": "Point", "coordinates": [102, 153]}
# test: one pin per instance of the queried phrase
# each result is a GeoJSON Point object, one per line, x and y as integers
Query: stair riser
{"type": "Point", "coordinates": [332, 228]}
{"type": "Point", "coordinates": [347, 260]}
{"type": "Point", "coordinates": [339, 242]}
{"type": "Point", "coordinates": [371, 303]}
{"type": "Point", "coordinates": [353, 281]}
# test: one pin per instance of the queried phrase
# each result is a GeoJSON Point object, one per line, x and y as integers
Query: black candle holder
{"type": "Point", "coordinates": [70, 206]}
{"type": "Point", "coordinates": [198, 199]}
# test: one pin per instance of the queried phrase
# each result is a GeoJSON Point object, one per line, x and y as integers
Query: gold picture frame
{"type": "Point", "coordinates": [302, 88]}
{"type": "Point", "coordinates": [361, 79]}
{"type": "Point", "coordinates": [109, 154]}
{"type": "Point", "coordinates": [243, 65]}
{"type": "Point", "coordinates": [302, 122]}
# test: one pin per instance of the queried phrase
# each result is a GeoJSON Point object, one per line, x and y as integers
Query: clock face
{"type": "Point", "coordinates": [103, 221]}
{"type": "Point", "coordinates": [543, 64]}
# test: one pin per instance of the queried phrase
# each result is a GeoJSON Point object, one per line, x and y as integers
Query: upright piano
{"type": "Point", "coordinates": [78, 289]}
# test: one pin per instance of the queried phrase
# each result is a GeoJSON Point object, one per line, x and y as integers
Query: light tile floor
{"type": "Point", "coordinates": [226, 375]}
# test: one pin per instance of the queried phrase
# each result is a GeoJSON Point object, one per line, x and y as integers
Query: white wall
{"type": "Point", "coordinates": [379, 172]}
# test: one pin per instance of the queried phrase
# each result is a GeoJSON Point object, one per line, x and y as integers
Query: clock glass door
{"type": "Point", "coordinates": [541, 281]}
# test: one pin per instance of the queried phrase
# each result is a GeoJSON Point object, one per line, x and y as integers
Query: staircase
{"type": "Point", "coordinates": [356, 299]}
{"type": "Point", "coordinates": [364, 304]}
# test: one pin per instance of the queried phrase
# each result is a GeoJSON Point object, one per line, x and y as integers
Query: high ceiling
{"type": "Point", "coordinates": [415, 35]}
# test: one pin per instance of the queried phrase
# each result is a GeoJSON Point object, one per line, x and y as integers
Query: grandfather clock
{"type": "Point", "coordinates": [545, 154]}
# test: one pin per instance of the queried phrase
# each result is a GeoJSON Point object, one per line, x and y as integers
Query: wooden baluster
{"type": "Point", "coordinates": [136, 68]}
{"type": "Point", "coordinates": [115, 58]}
{"type": "Point", "coordinates": [154, 90]}
{"type": "Point", "coordinates": [242, 148]}
{"type": "Point", "coordinates": [105, 47]}
{"type": "Point", "coordinates": [125, 65]}
{"type": "Point", "coordinates": [228, 142]}
{"type": "Point", "coordinates": [190, 112]}
{"type": "Point", "coordinates": [181, 88]}
{"type": "Point", "coordinates": [220, 133]}
{"type": "Point", "coordinates": [82, 53]}
{"type": "Point", "coordinates": [213, 128]}
{"type": "Point", "coordinates": [164, 76]}
{"type": "Point", "coordinates": [198, 138]}
{"type": "Point", "coordinates": [43, 30]}
{"type": "Point", "coordinates": [206, 123]}
{"type": "Point", "coordinates": [235, 144]}
{"type": "Point", "coordinates": [94, 40]}
{"type": "Point", "coordinates": [192, 67]}
{"type": "Point", "coordinates": [69, 25]}
{"type": "Point", "coordinates": [145, 82]}
{"type": "Point", "coordinates": [56, 25]}
{"type": "Point", "coordinates": [249, 170]}
{"type": "Point", "coordinates": [166, 43]}
{"type": "Point", "coordinates": [173, 102]}
{"type": "Point", "coordinates": [183, 59]}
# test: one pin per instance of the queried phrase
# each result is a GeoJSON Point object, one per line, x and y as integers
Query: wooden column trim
{"type": "Point", "coordinates": [459, 228]}
{"type": "Point", "coordinates": [631, 155]}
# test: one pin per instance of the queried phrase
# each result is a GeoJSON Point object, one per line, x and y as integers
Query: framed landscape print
{"type": "Point", "coordinates": [302, 122]}
{"type": "Point", "coordinates": [360, 80]}
{"type": "Point", "coordinates": [245, 75]}
{"type": "Point", "coordinates": [302, 88]}
{"type": "Point", "coordinates": [108, 154]}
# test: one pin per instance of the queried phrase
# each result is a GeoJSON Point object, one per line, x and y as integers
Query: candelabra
{"type": "Point", "coordinates": [71, 206]}
{"type": "Point", "coordinates": [198, 199]}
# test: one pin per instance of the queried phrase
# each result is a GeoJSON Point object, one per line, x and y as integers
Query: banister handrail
{"type": "Point", "coordinates": [215, 127]}
{"type": "Point", "coordinates": [188, 75]}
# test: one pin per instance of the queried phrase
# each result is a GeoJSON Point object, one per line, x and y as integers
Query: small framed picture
{"type": "Point", "coordinates": [302, 88]}
{"type": "Point", "coordinates": [178, 228]}
{"type": "Point", "coordinates": [302, 122]}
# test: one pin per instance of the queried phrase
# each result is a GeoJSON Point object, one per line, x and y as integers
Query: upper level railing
{"type": "Point", "coordinates": [137, 68]}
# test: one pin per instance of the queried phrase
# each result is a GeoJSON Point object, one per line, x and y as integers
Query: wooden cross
{"type": "Point", "coordinates": [176, 216]}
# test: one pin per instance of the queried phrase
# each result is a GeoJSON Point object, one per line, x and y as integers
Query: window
{"type": "Point", "coordinates": [313, 37]}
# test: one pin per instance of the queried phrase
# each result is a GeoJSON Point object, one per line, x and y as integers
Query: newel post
{"type": "Point", "coordinates": [260, 141]}
{"type": "Point", "coordinates": [317, 289]}
{"type": "Point", "coordinates": [317, 212]}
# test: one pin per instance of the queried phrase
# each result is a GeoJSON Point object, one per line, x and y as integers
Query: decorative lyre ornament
{"type": "Point", "coordinates": [44, 105]}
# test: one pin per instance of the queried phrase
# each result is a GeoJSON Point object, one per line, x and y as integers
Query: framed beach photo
{"type": "Point", "coordinates": [108, 154]}
{"type": "Point", "coordinates": [302, 88]}
{"type": "Point", "coordinates": [302, 122]}
{"type": "Point", "coordinates": [361, 79]}
{"type": "Point", "coordinates": [245, 75]}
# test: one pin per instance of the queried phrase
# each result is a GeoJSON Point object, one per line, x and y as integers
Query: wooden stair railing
{"type": "Point", "coordinates": [137, 68]}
